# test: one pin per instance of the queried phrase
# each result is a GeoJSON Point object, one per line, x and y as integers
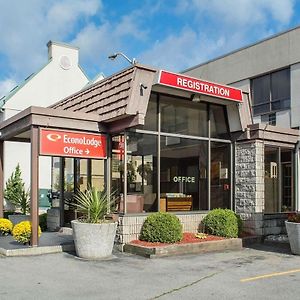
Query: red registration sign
{"type": "Point", "coordinates": [72, 144]}
{"type": "Point", "coordinates": [200, 86]}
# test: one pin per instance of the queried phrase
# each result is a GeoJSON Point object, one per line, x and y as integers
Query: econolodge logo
{"type": "Point", "coordinates": [53, 137]}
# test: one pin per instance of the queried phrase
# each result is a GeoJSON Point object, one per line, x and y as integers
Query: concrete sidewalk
{"type": "Point", "coordinates": [50, 242]}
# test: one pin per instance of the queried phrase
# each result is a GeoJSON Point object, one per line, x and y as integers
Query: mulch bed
{"type": "Point", "coordinates": [188, 238]}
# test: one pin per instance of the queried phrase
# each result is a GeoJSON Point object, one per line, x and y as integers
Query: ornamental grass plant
{"type": "Point", "coordinates": [6, 226]}
{"type": "Point", "coordinates": [94, 205]}
{"type": "Point", "coordinates": [22, 232]}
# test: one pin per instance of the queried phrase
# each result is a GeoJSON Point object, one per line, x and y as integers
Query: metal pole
{"type": "Point", "coordinates": [1, 180]}
{"type": "Point", "coordinates": [34, 211]}
{"type": "Point", "coordinates": [125, 172]}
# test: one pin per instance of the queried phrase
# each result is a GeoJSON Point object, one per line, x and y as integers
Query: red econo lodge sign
{"type": "Point", "coordinates": [200, 86]}
{"type": "Point", "coordinates": [72, 144]}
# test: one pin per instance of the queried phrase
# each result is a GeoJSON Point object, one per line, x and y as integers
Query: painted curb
{"type": "Point", "coordinates": [180, 249]}
{"type": "Point", "coordinates": [37, 250]}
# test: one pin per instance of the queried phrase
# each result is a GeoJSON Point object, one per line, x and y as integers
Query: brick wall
{"type": "Point", "coordinates": [129, 226]}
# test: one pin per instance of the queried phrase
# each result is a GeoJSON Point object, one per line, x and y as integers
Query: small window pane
{"type": "Point", "coordinates": [183, 118]}
{"type": "Point", "coordinates": [259, 109]}
{"type": "Point", "coordinates": [280, 84]}
{"type": "Point", "coordinates": [151, 114]}
{"type": "Point", "coordinates": [218, 125]}
{"type": "Point", "coordinates": [261, 89]}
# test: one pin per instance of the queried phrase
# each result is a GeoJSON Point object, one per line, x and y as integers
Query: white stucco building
{"type": "Point", "coordinates": [61, 76]}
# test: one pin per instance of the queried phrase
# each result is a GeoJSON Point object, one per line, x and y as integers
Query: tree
{"type": "Point", "coordinates": [15, 191]}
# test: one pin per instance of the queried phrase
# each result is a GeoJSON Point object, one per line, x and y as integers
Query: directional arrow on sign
{"type": "Point", "coordinates": [87, 151]}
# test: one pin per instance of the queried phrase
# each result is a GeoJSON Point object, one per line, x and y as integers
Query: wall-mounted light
{"type": "Point", "coordinates": [115, 55]}
{"type": "Point", "coordinates": [196, 98]}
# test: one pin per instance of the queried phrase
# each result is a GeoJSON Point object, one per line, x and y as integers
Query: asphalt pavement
{"type": "Point", "coordinates": [260, 272]}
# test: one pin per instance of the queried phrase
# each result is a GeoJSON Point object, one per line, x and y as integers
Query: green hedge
{"type": "Point", "coordinates": [162, 227]}
{"type": "Point", "coordinates": [222, 222]}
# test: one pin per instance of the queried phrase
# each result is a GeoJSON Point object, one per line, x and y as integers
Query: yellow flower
{"type": "Point", "coordinates": [22, 232]}
{"type": "Point", "coordinates": [6, 226]}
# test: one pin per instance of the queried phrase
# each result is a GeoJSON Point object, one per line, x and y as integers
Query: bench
{"type": "Point", "coordinates": [176, 204]}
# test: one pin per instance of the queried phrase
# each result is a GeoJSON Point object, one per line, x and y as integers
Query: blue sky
{"type": "Point", "coordinates": [167, 34]}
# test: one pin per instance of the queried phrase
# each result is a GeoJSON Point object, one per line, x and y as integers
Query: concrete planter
{"type": "Point", "coordinates": [293, 231]}
{"type": "Point", "coordinates": [93, 241]}
{"type": "Point", "coordinates": [16, 219]}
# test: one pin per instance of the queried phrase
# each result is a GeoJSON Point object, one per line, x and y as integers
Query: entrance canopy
{"type": "Point", "coordinates": [25, 127]}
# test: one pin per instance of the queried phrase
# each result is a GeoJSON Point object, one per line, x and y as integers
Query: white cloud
{"type": "Point", "coordinates": [179, 51]}
{"type": "Point", "coordinates": [6, 85]}
{"type": "Point", "coordinates": [240, 12]}
{"type": "Point", "coordinates": [219, 27]}
{"type": "Point", "coordinates": [96, 42]}
{"type": "Point", "coordinates": [26, 27]}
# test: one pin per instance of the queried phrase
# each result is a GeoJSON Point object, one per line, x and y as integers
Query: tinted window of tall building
{"type": "Point", "coordinates": [271, 92]}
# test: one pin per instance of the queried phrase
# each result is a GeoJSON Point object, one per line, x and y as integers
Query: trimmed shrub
{"type": "Point", "coordinates": [6, 226]}
{"type": "Point", "coordinates": [162, 227]}
{"type": "Point", "coordinates": [222, 222]}
{"type": "Point", "coordinates": [43, 221]}
{"type": "Point", "coordinates": [22, 232]}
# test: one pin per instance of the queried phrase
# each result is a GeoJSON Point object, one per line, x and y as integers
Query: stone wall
{"type": "Point", "coordinates": [129, 226]}
{"type": "Point", "coordinates": [249, 185]}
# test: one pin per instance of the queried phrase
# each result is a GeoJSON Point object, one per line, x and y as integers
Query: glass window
{"type": "Point", "coordinates": [220, 175]}
{"type": "Point", "coordinates": [280, 85]}
{"type": "Point", "coordinates": [183, 174]}
{"type": "Point", "coordinates": [261, 89]}
{"type": "Point", "coordinates": [271, 92]}
{"type": "Point", "coordinates": [141, 173]}
{"type": "Point", "coordinates": [183, 117]}
{"type": "Point", "coordinates": [117, 168]}
{"type": "Point", "coordinates": [151, 114]}
{"type": "Point", "coordinates": [278, 180]}
{"type": "Point", "coordinates": [271, 180]}
{"type": "Point", "coordinates": [97, 174]}
{"type": "Point", "coordinates": [218, 124]}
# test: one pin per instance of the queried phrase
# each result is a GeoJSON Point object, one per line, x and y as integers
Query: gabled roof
{"type": "Point", "coordinates": [13, 91]}
{"type": "Point", "coordinates": [114, 97]}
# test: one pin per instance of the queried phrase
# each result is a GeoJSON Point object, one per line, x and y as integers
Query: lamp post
{"type": "Point", "coordinates": [114, 56]}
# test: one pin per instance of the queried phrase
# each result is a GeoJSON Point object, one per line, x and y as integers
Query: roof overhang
{"type": "Point", "coordinates": [17, 128]}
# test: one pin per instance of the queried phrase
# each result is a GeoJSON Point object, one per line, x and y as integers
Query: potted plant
{"type": "Point", "coordinates": [293, 230]}
{"type": "Point", "coordinates": [93, 233]}
{"type": "Point", "coordinates": [16, 195]}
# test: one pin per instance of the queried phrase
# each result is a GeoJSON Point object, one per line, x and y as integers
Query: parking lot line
{"type": "Point", "coordinates": [270, 275]}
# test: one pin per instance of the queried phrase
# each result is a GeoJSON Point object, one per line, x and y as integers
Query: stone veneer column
{"type": "Point", "coordinates": [249, 185]}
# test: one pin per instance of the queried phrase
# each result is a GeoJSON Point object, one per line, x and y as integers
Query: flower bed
{"type": "Point", "coordinates": [188, 237]}
{"type": "Point", "coordinates": [188, 245]}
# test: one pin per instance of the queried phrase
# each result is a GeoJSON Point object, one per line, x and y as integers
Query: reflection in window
{"type": "Point", "coordinates": [117, 167]}
{"type": "Point", "coordinates": [220, 175]}
{"type": "Point", "coordinates": [183, 117]}
{"type": "Point", "coordinates": [271, 92]}
{"type": "Point", "coordinates": [271, 180]}
{"type": "Point", "coordinates": [151, 115]}
{"type": "Point", "coordinates": [183, 175]}
{"type": "Point", "coordinates": [218, 124]}
{"type": "Point", "coordinates": [141, 172]}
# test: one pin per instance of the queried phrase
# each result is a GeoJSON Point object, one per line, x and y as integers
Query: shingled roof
{"type": "Point", "coordinates": [121, 95]}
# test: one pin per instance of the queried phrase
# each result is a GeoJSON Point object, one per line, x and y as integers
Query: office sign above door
{"type": "Point", "coordinates": [199, 86]}
{"type": "Point", "coordinates": [72, 144]}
